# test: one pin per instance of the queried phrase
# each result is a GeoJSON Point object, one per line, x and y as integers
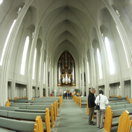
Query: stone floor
{"type": "Point", "coordinates": [72, 118]}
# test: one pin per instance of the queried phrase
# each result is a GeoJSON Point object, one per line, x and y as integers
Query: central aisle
{"type": "Point", "coordinates": [72, 118]}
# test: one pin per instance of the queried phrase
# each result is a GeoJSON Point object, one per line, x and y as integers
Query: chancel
{"type": "Point", "coordinates": [65, 65]}
{"type": "Point", "coordinates": [66, 69]}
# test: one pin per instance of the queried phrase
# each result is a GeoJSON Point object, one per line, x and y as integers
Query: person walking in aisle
{"type": "Point", "coordinates": [91, 105]}
{"type": "Point", "coordinates": [102, 101]}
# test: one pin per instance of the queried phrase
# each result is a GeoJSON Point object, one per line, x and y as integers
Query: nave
{"type": "Point", "coordinates": [49, 48]}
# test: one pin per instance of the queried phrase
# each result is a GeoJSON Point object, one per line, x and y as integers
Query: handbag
{"type": "Point", "coordinates": [97, 107]}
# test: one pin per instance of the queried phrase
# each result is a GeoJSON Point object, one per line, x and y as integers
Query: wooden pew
{"type": "Point", "coordinates": [124, 122]}
{"type": "Point", "coordinates": [76, 99]}
{"type": "Point", "coordinates": [34, 106]}
{"type": "Point", "coordinates": [83, 102]}
{"type": "Point", "coordinates": [116, 103]}
{"type": "Point", "coordinates": [87, 109]}
{"type": "Point", "coordinates": [34, 112]}
{"type": "Point", "coordinates": [117, 98]}
{"type": "Point", "coordinates": [130, 101]}
{"type": "Point", "coordinates": [39, 106]}
{"type": "Point", "coordinates": [108, 119]}
{"type": "Point", "coordinates": [111, 121]}
{"type": "Point", "coordinates": [39, 124]}
{"type": "Point", "coordinates": [46, 99]}
{"type": "Point", "coordinates": [47, 120]}
{"type": "Point", "coordinates": [27, 116]}
{"type": "Point", "coordinates": [60, 101]}
{"type": "Point", "coordinates": [38, 109]}
{"type": "Point", "coordinates": [21, 125]}
{"type": "Point", "coordinates": [6, 130]}
{"type": "Point", "coordinates": [8, 104]}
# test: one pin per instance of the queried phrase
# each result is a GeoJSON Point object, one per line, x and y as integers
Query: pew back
{"type": "Point", "coordinates": [124, 122]}
{"type": "Point", "coordinates": [108, 119]}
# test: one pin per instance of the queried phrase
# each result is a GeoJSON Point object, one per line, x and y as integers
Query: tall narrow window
{"type": "Point", "coordinates": [124, 47]}
{"type": "Point", "coordinates": [24, 56]}
{"type": "Point", "coordinates": [34, 64]}
{"type": "Point", "coordinates": [110, 57]}
{"type": "Point", "coordinates": [99, 64]}
{"type": "Point", "coordinates": [59, 75]}
{"type": "Point", "coordinates": [88, 72]}
{"type": "Point", "coordinates": [6, 42]}
{"type": "Point", "coordinates": [1, 1]}
{"type": "Point", "coordinates": [40, 67]}
{"type": "Point", "coordinates": [44, 72]}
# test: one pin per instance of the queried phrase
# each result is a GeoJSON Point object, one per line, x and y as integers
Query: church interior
{"type": "Point", "coordinates": [54, 53]}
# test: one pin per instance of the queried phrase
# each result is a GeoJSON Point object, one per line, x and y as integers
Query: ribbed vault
{"type": "Point", "coordinates": [66, 22]}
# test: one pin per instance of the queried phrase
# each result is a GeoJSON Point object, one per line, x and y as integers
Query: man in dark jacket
{"type": "Point", "coordinates": [91, 105]}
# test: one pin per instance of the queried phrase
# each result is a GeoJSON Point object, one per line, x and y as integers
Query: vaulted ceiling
{"type": "Point", "coordinates": [67, 23]}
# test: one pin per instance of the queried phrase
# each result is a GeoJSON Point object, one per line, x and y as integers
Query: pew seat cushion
{"type": "Point", "coordinates": [38, 107]}
{"type": "Point", "coordinates": [118, 112]}
{"type": "Point", "coordinates": [25, 115]}
{"type": "Point", "coordinates": [8, 108]}
{"type": "Point", "coordinates": [3, 113]}
{"type": "Point", "coordinates": [118, 106]}
{"type": "Point", "coordinates": [5, 130]}
{"type": "Point", "coordinates": [18, 125]}
{"type": "Point", "coordinates": [115, 121]}
{"type": "Point", "coordinates": [129, 110]}
{"type": "Point", "coordinates": [113, 129]}
{"type": "Point", "coordinates": [128, 105]}
{"type": "Point", "coordinates": [30, 110]}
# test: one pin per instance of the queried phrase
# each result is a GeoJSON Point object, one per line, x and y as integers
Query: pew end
{"type": "Point", "coordinates": [38, 127]}
{"type": "Point", "coordinates": [108, 119]}
{"type": "Point", "coordinates": [124, 122]}
{"type": "Point", "coordinates": [52, 115]}
{"type": "Point", "coordinates": [8, 104]}
{"type": "Point", "coordinates": [130, 101]}
{"type": "Point", "coordinates": [47, 120]}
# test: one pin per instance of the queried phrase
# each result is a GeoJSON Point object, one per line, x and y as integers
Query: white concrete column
{"type": "Point", "coordinates": [55, 79]}
{"type": "Point", "coordinates": [87, 76]}
{"type": "Point", "coordinates": [104, 62]}
{"type": "Point", "coordinates": [93, 70]}
{"type": "Point", "coordinates": [46, 75]}
{"type": "Point", "coordinates": [82, 81]}
{"type": "Point", "coordinates": [77, 75]}
{"type": "Point", "coordinates": [52, 80]}
{"type": "Point", "coordinates": [31, 57]}
{"type": "Point", "coordinates": [13, 90]}
{"type": "Point", "coordinates": [80, 77]}
{"type": "Point", "coordinates": [6, 62]}
{"type": "Point", "coordinates": [131, 88]}
{"type": "Point", "coordinates": [41, 71]}
{"type": "Point", "coordinates": [121, 88]}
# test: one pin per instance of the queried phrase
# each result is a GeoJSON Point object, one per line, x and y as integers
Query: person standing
{"type": "Point", "coordinates": [91, 105]}
{"type": "Point", "coordinates": [102, 101]}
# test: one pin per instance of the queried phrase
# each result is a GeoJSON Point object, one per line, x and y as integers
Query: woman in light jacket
{"type": "Point", "coordinates": [102, 101]}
